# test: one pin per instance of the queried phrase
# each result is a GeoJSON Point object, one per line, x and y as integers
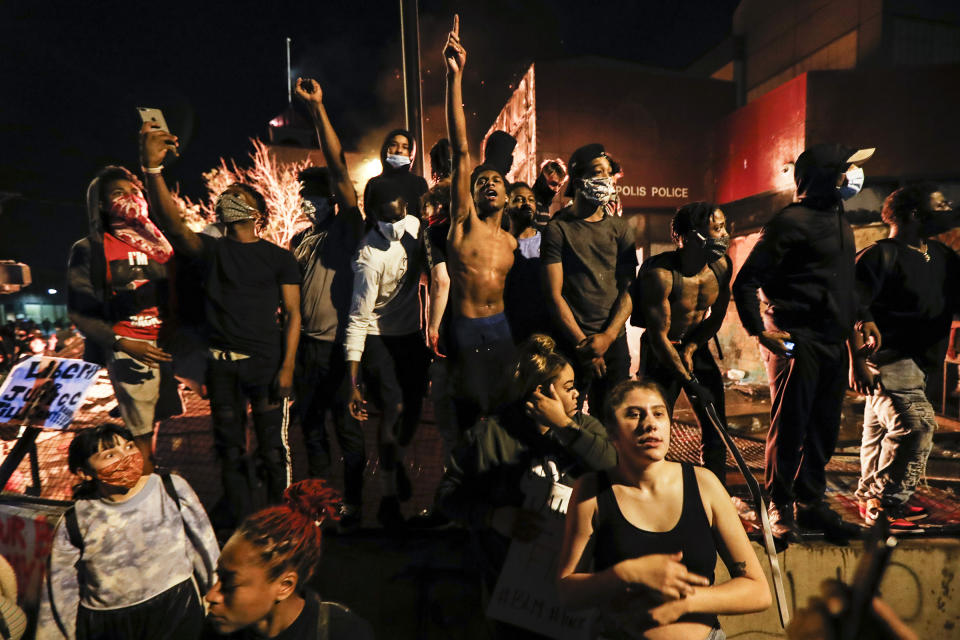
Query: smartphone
{"type": "Point", "coordinates": [149, 114]}
{"type": "Point", "coordinates": [790, 346]}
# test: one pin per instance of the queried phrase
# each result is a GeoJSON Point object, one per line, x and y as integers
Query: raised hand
{"type": "Point", "coordinates": [454, 55]}
{"type": "Point", "coordinates": [309, 91]}
{"type": "Point", "coordinates": [155, 143]}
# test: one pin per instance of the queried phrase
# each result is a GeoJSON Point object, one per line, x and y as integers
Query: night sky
{"type": "Point", "coordinates": [73, 72]}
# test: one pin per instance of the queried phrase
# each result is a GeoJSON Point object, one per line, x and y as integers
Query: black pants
{"type": "Point", "coordinates": [713, 453]}
{"type": "Point", "coordinates": [320, 387]}
{"type": "Point", "coordinates": [232, 383]}
{"type": "Point", "coordinates": [175, 614]}
{"type": "Point", "coordinates": [593, 387]}
{"type": "Point", "coordinates": [482, 357]}
{"type": "Point", "coordinates": [395, 373]}
{"type": "Point", "coordinates": [806, 393]}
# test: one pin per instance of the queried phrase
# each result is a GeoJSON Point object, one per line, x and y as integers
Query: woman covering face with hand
{"type": "Point", "coordinates": [541, 425]}
{"type": "Point", "coordinates": [657, 527]}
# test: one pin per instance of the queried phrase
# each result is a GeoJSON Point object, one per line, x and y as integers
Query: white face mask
{"type": "Point", "coordinates": [394, 230]}
{"type": "Point", "coordinates": [854, 183]}
{"type": "Point", "coordinates": [397, 160]}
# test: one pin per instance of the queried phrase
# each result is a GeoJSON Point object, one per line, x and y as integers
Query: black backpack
{"type": "Point", "coordinates": [667, 261]}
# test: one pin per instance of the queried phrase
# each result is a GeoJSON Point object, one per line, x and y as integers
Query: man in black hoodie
{"type": "Point", "coordinates": [804, 263]}
{"type": "Point", "coordinates": [396, 156]}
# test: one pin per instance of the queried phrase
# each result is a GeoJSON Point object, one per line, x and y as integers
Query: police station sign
{"type": "Point", "coordinates": [43, 391]}
{"type": "Point", "coordinates": [643, 191]}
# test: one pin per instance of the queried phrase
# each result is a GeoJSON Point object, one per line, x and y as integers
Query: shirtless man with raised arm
{"type": "Point", "coordinates": [678, 288]}
{"type": "Point", "coordinates": [480, 253]}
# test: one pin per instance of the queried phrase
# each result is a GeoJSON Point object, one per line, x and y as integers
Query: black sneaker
{"type": "Point", "coordinates": [818, 516]}
{"type": "Point", "coordinates": [782, 523]}
{"type": "Point", "coordinates": [388, 515]}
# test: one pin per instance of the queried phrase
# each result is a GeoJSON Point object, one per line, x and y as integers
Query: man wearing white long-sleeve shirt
{"type": "Point", "coordinates": [383, 335]}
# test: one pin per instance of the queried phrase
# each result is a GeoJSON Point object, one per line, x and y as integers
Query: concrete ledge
{"type": "Point", "coordinates": [922, 584]}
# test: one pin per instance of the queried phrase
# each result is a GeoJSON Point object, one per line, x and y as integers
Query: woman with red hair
{"type": "Point", "coordinates": [264, 569]}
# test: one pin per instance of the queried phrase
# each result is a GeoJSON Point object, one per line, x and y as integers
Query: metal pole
{"type": "Point", "coordinates": [289, 76]}
{"type": "Point", "coordinates": [412, 102]}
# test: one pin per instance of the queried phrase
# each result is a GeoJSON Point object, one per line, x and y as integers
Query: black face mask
{"type": "Point", "coordinates": [934, 223]}
{"type": "Point", "coordinates": [542, 192]}
{"type": "Point", "coordinates": [715, 248]}
{"type": "Point", "coordinates": [522, 216]}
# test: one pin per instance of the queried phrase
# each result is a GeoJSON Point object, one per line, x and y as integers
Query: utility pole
{"type": "Point", "coordinates": [412, 102]}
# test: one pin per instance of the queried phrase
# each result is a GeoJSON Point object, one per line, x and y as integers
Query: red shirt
{"type": "Point", "coordinates": [135, 282]}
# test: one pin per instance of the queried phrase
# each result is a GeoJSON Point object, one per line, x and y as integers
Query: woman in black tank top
{"type": "Point", "coordinates": [655, 528]}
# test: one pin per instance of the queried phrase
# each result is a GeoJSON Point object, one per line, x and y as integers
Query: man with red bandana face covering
{"type": "Point", "coordinates": [118, 295]}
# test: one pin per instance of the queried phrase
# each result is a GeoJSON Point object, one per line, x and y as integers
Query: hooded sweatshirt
{"type": "Point", "coordinates": [125, 293]}
{"type": "Point", "coordinates": [396, 182]}
{"type": "Point", "coordinates": [804, 264]}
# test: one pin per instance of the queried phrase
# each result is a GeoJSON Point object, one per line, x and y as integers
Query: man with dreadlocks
{"type": "Point", "coordinates": [251, 355]}
{"type": "Point", "coordinates": [264, 569]}
{"type": "Point", "coordinates": [683, 299]}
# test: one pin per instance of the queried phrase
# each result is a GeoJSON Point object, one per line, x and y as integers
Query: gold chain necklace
{"type": "Point", "coordinates": [923, 252]}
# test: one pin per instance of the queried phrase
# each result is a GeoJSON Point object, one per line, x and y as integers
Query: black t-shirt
{"type": "Point", "coordinates": [242, 282]}
{"type": "Point", "coordinates": [595, 257]}
{"type": "Point", "coordinates": [317, 621]}
{"type": "Point", "coordinates": [912, 300]}
{"type": "Point", "coordinates": [435, 241]}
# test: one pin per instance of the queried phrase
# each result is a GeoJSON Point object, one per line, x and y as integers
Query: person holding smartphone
{"type": "Point", "coordinates": [251, 355]}
{"type": "Point", "coordinates": [804, 264]}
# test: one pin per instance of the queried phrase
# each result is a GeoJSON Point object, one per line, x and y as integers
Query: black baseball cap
{"type": "Point", "coordinates": [579, 161]}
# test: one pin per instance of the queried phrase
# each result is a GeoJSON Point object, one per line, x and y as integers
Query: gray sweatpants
{"type": "Point", "coordinates": [898, 426]}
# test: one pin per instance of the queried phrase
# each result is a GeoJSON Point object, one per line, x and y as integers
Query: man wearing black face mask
{"type": "Point", "coordinates": [677, 289]}
{"type": "Point", "coordinates": [804, 262]}
{"type": "Point", "coordinates": [524, 300]}
{"type": "Point", "coordinates": [908, 295]}
{"type": "Point", "coordinates": [590, 260]}
{"type": "Point", "coordinates": [325, 252]}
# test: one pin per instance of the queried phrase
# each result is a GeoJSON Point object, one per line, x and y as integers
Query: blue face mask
{"type": "Point", "coordinates": [397, 160]}
{"type": "Point", "coordinates": [853, 183]}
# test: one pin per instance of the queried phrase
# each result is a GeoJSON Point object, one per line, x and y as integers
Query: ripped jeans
{"type": "Point", "coordinates": [898, 427]}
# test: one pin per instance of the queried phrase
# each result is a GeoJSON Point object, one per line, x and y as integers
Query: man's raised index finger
{"type": "Point", "coordinates": [456, 24]}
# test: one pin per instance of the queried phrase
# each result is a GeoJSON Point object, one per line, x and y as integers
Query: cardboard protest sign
{"type": "Point", "coordinates": [44, 391]}
{"type": "Point", "coordinates": [26, 536]}
{"type": "Point", "coordinates": [526, 592]}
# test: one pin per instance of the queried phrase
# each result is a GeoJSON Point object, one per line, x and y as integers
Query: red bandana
{"type": "Point", "coordinates": [130, 223]}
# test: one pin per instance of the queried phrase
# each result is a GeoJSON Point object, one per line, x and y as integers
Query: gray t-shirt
{"type": "Point", "coordinates": [325, 256]}
{"type": "Point", "coordinates": [596, 256]}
